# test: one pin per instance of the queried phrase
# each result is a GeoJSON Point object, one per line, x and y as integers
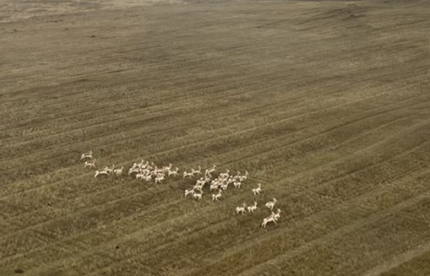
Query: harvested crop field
{"type": "Point", "coordinates": [325, 103]}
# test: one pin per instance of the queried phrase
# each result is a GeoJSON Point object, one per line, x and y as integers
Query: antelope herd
{"type": "Point", "coordinates": [148, 171]}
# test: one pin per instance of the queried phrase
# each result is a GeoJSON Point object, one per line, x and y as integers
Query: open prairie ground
{"type": "Point", "coordinates": [325, 103]}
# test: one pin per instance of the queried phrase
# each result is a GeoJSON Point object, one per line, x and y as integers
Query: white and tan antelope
{"type": "Point", "coordinates": [271, 218]}
{"type": "Point", "coordinates": [241, 210]}
{"type": "Point", "coordinates": [118, 171]}
{"type": "Point", "coordinates": [244, 177]}
{"type": "Point", "coordinates": [271, 204]}
{"type": "Point", "coordinates": [189, 192]}
{"type": "Point", "coordinates": [140, 175]}
{"type": "Point", "coordinates": [237, 184]}
{"type": "Point", "coordinates": [173, 172]}
{"type": "Point", "coordinates": [225, 175]}
{"type": "Point", "coordinates": [157, 171]}
{"type": "Point", "coordinates": [197, 187]}
{"type": "Point", "coordinates": [197, 196]}
{"type": "Point", "coordinates": [190, 174]}
{"type": "Point", "coordinates": [133, 170]}
{"type": "Point", "coordinates": [252, 208]}
{"type": "Point", "coordinates": [258, 190]}
{"type": "Point", "coordinates": [201, 181]}
{"type": "Point", "coordinates": [90, 164]}
{"type": "Point", "coordinates": [103, 172]}
{"type": "Point", "coordinates": [142, 164]}
{"type": "Point", "coordinates": [167, 168]}
{"type": "Point", "coordinates": [211, 170]}
{"type": "Point", "coordinates": [208, 179]}
{"type": "Point", "coordinates": [196, 171]}
{"type": "Point", "coordinates": [87, 155]}
{"type": "Point", "coordinates": [159, 178]}
{"type": "Point", "coordinates": [109, 170]}
{"type": "Point", "coordinates": [148, 177]}
{"type": "Point", "coordinates": [216, 197]}
{"type": "Point", "coordinates": [277, 215]}
{"type": "Point", "coordinates": [214, 186]}
{"type": "Point", "coordinates": [237, 176]}
{"type": "Point", "coordinates": [224, 183]}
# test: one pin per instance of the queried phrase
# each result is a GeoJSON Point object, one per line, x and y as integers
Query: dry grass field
{"type": "Point", "coordinates": [325, 103]}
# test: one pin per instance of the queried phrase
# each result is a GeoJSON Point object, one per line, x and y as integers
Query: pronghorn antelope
{"type": "Point", "coordinates": [237, 176]}
{"type": "Point", "coordinates": [174, 172]}
{"type": "Point", "coordinates": [142, 164]}
{"type": "Point", "coordinates": [189, 192]}
{"type": "Point", "coordinates": [277, 215]}
{"type": "Point", "coordinates": [190, 174]}
{"type": "Point", "coordinates": [225, 175]}
{"type": "Point", "coordinates": [214, 186]}
{"type": "Point", "coordinates": [217, 196]}
{"type": "Point", "coordinates": [197, 196]}
{"type": "Point", "coordinates": [224, 183]}
{"type": "Point", "coordinates": [109, 170]}
{"type": "Point", "coordinates": [244, 177]}
{"type": "Point", "coordinates": [271, 204]}
{"type": "Point", "coordinates": [103, 172]}
{"type": "Point", "coordinates": [258, 190]}
{"type": "Point", "coordinates": [198, 171]}
{"type": "Point", "coordinates": [118, 171]}
{"type": "Point", "coordinates": [133, 170]}
{"type": "Point", "coordinates": [159, 178]}
{"type": "Point", "coordinates": [157, 171]}
{"type": "Point", "coordinates": [140, 175]}
{"type": "Point", "coordinates": [160, 170]}
{"type": "Point", "coordinates": [252, 208]}
{"type": "Point", "coordinates": [241, 210]}
{"type": "Point", "coordinates": [211, 170]}
{"type": "Point", "coordinates": [87, 155]}
{"type": "Point", "coordinates": [201, 181]}
{"type": "Point", "coordinates": [90, 164]}
{"type": "Point", "coordinates": [167, 168]}
{"type": "Point", "coordinates": [198, 188]}
{"type": "Point", "coordinates": [237, 184]}
{"type": "Point", "coordinates": [270, 218]}
{"type": "Point", "coordinates": [208, 179]}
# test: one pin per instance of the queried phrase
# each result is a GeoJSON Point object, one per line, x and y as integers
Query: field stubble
{"type": "Point", "coordinates": [325, 103]}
